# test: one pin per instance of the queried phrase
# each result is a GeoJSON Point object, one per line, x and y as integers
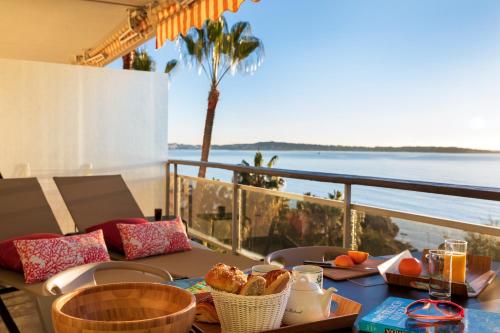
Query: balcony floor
{"type": "Point", "coordinates": [23, 310]}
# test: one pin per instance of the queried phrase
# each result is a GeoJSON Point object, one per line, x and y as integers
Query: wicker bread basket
{"type": "Point", "coordinates": [248, 314]}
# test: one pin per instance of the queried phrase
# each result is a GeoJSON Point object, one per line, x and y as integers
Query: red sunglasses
{"type": "Point", "coordinates": [427, 309]}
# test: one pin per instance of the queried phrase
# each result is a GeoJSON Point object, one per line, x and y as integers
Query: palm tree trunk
{"type": "Point", "coordinates": [213, 98]}
{"type": "Point", "coordinates": [128, 60]}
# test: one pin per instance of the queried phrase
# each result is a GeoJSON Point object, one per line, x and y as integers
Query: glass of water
{"type": "Point", "coordinates": [439, 274]}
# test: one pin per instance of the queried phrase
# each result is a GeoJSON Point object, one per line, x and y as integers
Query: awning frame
{"type": "Point", "coordinates": [166, 19]}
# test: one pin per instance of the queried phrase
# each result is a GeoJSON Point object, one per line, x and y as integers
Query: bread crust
{"type": "Point", "coordinates": [276, 281]}
{"type": "Point", "coordinates": [226, 278]}
{"type": "Point", "coordinates": [255, 286]}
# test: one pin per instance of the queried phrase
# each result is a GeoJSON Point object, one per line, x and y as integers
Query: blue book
{"type": "Point", "coordinates": [389, 317]}
{"type": "Point", "coordinates": [196, 286]}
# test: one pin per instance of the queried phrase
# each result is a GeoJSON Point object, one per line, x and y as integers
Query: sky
{"type": "Point", "coordinates": [353, 72]}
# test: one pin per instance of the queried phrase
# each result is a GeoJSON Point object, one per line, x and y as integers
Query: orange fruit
{"type": "Point", "coordinates": [358, 257]}
{"type": "Point", "coordinates": [343, 261]}
{"type": "Point", "coordinates": [410, 266]}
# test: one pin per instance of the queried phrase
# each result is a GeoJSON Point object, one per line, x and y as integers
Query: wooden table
{"type": "Point", "coordinates": [370, 297]}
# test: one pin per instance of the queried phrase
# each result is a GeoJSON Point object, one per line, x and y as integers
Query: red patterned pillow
{"type": "Point", "coordinates": [43, 258]}
{"type": "Point", "coordinates": [144, 240]}
{"type": "Point", "coordinates": [9, 258]}
{"type": "Point", "coordinates": [111, 233]}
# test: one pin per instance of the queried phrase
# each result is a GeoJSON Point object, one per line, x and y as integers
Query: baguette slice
{"type": "Point", "coordinates": [255, 286]}
{"type": "Point", "coordinates": [277, 281]}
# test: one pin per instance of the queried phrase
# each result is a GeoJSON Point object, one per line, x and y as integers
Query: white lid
{"type": "Point", "coordinates": [304, 285]}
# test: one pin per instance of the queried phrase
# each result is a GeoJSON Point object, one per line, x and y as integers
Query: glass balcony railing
{"type": "Point", "coordinates": [272, 220]}
{"type": "Point", "coordinates": [267, 220]}
{"type": "Point", "coordinates": [388, 232]}
{"type": "Point", "coordinates": [207, 206]}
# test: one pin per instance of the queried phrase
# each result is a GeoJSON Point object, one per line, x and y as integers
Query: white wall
{"type": "Point", "coordinates": [58, 120]}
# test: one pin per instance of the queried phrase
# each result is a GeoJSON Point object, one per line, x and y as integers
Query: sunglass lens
{"type": "Point", "coordinates": [417, 306]}
{"type": "Point", "coordinates": [448, 309]}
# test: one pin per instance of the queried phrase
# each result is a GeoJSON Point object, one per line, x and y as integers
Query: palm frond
{"type": "Point", "coordinates": [272, 162]}
{"type": "Point", "coordinates": [245, 47]}
{"type": "Point", "coordinates": [248, 54]}
{"type": "Point", "coordinates": [217, 50]}
{"type": "Point", "coordinates": [189, 44]}
{"type": "Point", "coordinates": [240, 29]}
{"type": "Point", "coordinates": [215, 30]}
{"type": "Point", "coordinates": [143, 62]}
{"type": "Point", "coordinates": [192, 48]}
{"type": "Point", "coordinates": [170, 66]}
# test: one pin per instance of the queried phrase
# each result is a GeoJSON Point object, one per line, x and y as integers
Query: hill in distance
{"type": "Point", "coordinates": [286, 146]}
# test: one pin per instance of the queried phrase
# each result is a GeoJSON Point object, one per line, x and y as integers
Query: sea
{"type": "Point", "coordinates": [464, 169]}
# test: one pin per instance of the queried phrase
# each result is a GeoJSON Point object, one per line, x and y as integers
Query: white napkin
{"type": "Point", "coordinates": [391, 265]}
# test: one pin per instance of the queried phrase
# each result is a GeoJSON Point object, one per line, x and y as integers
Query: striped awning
{"type": "Point", "coordinates": [175, 19]}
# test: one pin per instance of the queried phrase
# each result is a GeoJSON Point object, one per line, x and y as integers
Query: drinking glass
{"type": "Point", "coordinates": [439, 275]}
{"type": "Point", "coordinates": [457, 253]}
{"type": "Point", "coordinates": [312, 273]}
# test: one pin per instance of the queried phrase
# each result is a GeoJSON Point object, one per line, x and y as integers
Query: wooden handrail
{"type": "Point", "coordinates": [467, 191]}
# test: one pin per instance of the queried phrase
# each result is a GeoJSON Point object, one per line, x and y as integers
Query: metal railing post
{"type": "Point", "coordinates": [167, 189]}
{"type": "Point", "coordinates": [190, 204]}
{"type": "Point", "coordinates": [176, 191]}
{"type": "Point", "coordinates": [347, 237]}
{"type": "Point", "coordinates": [235, 239]}
{"type": "Point", "coordinates": [179, 197]}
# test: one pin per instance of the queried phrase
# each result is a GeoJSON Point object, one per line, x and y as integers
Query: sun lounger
{"type": "Point", "coordinates": [94, 199]}
{"type": "Point", "coordinates": [25, 210]}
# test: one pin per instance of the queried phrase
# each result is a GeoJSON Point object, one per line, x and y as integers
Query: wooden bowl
{"type": "Point", "coordinates": [129, 307]}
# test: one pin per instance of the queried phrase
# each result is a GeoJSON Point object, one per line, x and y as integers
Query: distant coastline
{"type": "Point", "coordinates": [286, 146]}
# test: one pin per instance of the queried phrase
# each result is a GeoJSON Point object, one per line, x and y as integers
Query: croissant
{"type": "Point", "coordinates": [205, 310]}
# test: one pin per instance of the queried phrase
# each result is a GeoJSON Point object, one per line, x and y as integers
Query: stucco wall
{"type": "Point", "coordinates": [58, 120]}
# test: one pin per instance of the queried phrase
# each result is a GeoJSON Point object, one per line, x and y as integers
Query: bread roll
{"type": "Point", "coordinates": [205, 310]}
{"type": "Point", "coordinates": [276, 281]}
{"type": "Point", "coordinates": [226, 278]}
{"type": "Point", "coordinates": [255, 286]}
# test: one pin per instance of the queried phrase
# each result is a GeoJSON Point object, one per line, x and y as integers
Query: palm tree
{"type": "Point", "coordinates": [258, 203]}
{"type": "Point", "coordinates": [143, 62]}
{"type": "Point", "coordinates": [257, 180]}
{"type": "Point", "coordinates": [128, 59]}
{"type": "Point", "coordinates": [216, 51]}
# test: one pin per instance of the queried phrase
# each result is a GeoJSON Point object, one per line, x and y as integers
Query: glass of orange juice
{"type": "Point", "coordinates": [456, 251]}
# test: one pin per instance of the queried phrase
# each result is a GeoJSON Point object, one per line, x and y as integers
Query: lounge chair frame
{"type": "Point", "coordinates": [23, 209]}
{"type": "Point", "coordinates": [94, 199]}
